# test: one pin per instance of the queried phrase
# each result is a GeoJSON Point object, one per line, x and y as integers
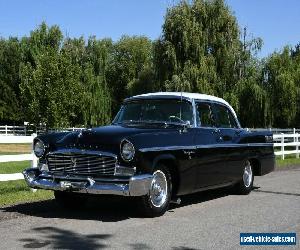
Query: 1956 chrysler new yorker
{"type": "Point", "coordinates": [159, 146]}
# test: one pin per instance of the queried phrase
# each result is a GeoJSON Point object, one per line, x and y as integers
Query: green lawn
{"type": "Point", "coordinates": [13, 167]}
{"type": "Point", "coordinates": [13, 192]}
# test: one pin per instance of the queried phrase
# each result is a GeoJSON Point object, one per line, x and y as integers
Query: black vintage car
{"type": "Point", "coordinates": [159, 146]}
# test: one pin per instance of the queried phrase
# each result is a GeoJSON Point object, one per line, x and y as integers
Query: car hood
{"type": "Point", "coordinates": [105, 138]}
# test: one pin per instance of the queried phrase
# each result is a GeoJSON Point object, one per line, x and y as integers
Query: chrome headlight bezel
{"type": "Point", "coordinates": [39, 148]}
{"type": "Point", "coordinates": [127, 150]}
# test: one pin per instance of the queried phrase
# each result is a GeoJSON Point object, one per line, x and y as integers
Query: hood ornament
{"type": "Point", "coordinates": [80, 134]}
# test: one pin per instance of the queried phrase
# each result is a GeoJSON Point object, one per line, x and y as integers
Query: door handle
{"type": "Point", "coordinates": [216, 131]}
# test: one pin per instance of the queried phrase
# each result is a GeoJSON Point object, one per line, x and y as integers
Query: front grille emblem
{"type": "Point", "coordinates": [73, 162]}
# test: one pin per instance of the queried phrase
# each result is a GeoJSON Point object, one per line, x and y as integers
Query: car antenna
{"type": "Point", "coordinates": [180, 99]}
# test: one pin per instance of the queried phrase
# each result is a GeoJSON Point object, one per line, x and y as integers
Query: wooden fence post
{"type": "Point", "coordinates": [34, 158]}
{"type": "Point", "coordinates": [297, 146]}
{"type": "Point", "coordinates": [282, 146]}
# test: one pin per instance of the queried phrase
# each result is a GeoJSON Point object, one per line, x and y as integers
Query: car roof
{"type": "Point", "coordinates": [185, 95]}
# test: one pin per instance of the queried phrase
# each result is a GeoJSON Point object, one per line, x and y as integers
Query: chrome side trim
{"type": "Point", "coordinates": [194, 113]}
{"type": "Point", "coordinates": [169, 148]}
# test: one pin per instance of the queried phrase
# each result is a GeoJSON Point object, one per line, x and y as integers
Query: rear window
{"type": "Point", "coordinates": [224, 116]}
{"type": "Point", "coordinates": [205, 115]}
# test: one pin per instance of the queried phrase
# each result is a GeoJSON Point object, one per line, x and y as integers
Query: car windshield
{"type": "Point", "coordinates": [156, 111]}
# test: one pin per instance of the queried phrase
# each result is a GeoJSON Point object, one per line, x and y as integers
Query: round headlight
{"type": "Point", "coordinates": [39, 148]}
{"type": "Point", "coordinates": [127, 150]}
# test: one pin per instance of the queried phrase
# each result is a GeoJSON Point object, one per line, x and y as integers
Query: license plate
{"type": "Point", "coordinates": [66, 184]}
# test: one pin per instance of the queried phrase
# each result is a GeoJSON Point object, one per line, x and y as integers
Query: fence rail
{"type": "Point", "coordinates": [278, 130]}
{"type": "Point", "coordinates": [288, 144]}
{"type": "Point", "coordinates": [6, 139]}
{"type": "Point", "coordinates": [29, 130]}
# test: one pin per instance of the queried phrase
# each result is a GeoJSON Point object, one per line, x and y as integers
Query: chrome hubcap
{"type": "Point", "coordinates": [159, 189]}
{"type": "Point", "coordinates": [247, 176]}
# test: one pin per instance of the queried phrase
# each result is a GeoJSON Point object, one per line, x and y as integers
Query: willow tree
{"type": "Point", "coordinates": [50, 81]}
{"type": "Point", "coordinates": [10, 59]}
{"type": "Point", "coordinates": [198, 48]}
{"type": "Point", "coordinates": [281, 76]}
{"type": "Point", "coordinates": [97, 103]}
{"type": "Point", "coordinates": [131, 61]}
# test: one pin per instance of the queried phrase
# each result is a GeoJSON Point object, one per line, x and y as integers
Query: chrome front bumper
{"type": "Point", "coordinates": [137, 185]}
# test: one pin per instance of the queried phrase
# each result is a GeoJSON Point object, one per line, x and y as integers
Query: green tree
{"type": "Point", "coordinates": [97, 105]}
{"type": "Point", "coordinates": [131, 59]}
{"type": "Point", "coordinates": [10, 58]}
{"type": "Point", "coordinates": [281, 86]}
{"type": "Point", "coordinates": [50, 83]}
{"type": "Point", "coordinates": [198, 47]}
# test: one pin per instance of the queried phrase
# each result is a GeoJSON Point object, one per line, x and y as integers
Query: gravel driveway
{"type": "Point", "coordinates": [207, 220]}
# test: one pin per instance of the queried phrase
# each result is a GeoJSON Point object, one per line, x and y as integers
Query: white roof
{"type": "Point", "coordinates": [191, 96]}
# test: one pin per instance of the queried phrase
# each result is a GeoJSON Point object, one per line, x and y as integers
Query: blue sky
{"type": "Point", "coordinates": [277, 22]}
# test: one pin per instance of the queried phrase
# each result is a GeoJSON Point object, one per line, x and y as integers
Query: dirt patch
{"type": "Point", "coordinates": [12, 148]}
{"type": "Point", "coordinates": [287, 167]}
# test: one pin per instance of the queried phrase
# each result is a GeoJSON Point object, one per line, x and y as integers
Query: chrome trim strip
{"type": "Point", "coordinates": [168, 148]}
{"type": "Point", "coordinates": [194, 113]}
{"type": "Point", "coordinates": [82, 151]}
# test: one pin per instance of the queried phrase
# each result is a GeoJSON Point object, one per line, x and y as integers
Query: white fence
{"type": "Point", "coordinates": [278, 130]}
{"type": "Point", "coordinates": [29, 130]}
{"type": "Point", "coordinates": [287, 144]}
{"type": "Point", "coordinates": [19, 157]}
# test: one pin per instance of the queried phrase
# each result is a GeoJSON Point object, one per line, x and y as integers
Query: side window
{"type": "Point", "coordinates": [225, 118]}
{"type": "Point", "coordinates": [205, 115]}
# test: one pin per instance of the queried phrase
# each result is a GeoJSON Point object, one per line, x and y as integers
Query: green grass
{"type": "Point", "coordinates": [288, 161]}
{"type": "Point", "coordinates": [13, 192]}
{"type": "Point", "coordinates": [13, 167]}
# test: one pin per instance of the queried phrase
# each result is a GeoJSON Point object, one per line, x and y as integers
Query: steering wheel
{"type": "Point", "coordinates": [176, 118]}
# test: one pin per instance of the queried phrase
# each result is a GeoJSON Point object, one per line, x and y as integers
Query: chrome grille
{"type": "Point", "coordinates": [86, 164]}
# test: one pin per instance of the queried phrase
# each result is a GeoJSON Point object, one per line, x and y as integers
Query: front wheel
{"type": "Point", "coordinates": [156, 202]}
{"type": "Point", "coordinates": [246, 184]}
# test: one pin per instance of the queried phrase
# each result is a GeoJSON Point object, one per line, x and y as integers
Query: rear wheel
{"type": "Point", "coordinates": [246, 184]}
{"type": "Point", "coordinates": [70, 200]}
{"type": "Point", "coordinates": [156, 203]}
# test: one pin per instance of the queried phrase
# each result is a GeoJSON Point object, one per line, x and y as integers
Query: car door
{"type": "Point", "coordinates": [210, 158]}
{"type": "Point", "coordinates": [229, 142]}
